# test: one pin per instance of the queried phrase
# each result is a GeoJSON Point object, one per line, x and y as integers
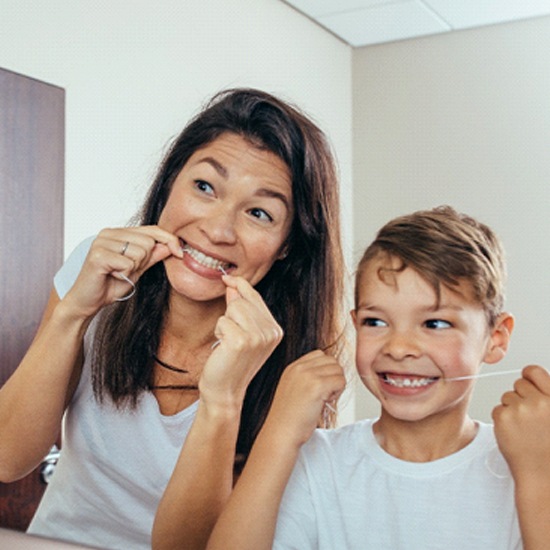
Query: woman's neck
{"type": "Point", "coordinates": [186, 342]}
{"type": "Point", "coordinates": [189, 325]}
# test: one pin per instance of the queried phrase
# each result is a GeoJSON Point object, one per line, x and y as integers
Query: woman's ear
{"type": "Point", "coordinates": [500, 338]}
{"type": "Point", "coordinates": [283, 253]}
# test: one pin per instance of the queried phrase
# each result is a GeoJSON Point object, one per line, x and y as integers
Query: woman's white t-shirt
{"type": "Point", "coordinates": [114, 465]}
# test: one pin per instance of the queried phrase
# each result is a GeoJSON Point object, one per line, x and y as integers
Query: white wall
{"type": "Point", "coordinates": [464, 119]}
{"type": "Point", "coordinates": [134, 72]}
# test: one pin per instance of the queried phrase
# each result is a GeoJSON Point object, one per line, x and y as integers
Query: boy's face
{"type": "Point", "coordinates": [408, 345]}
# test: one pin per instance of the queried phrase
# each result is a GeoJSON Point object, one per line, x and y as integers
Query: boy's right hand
{"type": "Point", "coordinates": [522, 424]}
{"type": "Point", "coordinates": [306, 386]}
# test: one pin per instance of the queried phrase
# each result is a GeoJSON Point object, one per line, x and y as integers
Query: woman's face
{"type": "Point", "coordinates": [231, 207]}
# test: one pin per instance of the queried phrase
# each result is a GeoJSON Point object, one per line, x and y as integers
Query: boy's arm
{"type": "Point", "coordinates": [249, 519]}
{"type": "Point", "coordinates": [522, 429]}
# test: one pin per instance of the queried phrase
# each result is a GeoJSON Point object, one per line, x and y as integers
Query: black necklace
{"type": "Point", "coordinates": [167, 366]}
{"type": "Point", "coordinates": [172, 386]}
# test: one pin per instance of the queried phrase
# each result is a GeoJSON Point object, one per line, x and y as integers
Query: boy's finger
{"type": "Point", "coordinates": [539, 376]}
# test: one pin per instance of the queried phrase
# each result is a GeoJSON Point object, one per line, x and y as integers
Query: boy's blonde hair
{"type": "Point", "coordinates": [445, 247]}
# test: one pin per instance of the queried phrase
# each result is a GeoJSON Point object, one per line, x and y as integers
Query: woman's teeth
{"type": "Point", "coordinates": [203, 259]}
{"type": "Point", "coordinates": [404, 382]}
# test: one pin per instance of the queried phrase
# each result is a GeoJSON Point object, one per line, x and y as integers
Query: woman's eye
{"type": "Point", "coordinates": [204, 186]}
{"type": "Point", "coordinates": [261, 214]}
{"type": "Point", "coordinates": [373, 322]}
{"type": "Point", "coordinates": [437, 324]}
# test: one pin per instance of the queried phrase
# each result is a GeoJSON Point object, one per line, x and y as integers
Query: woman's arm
{"type": "Point", "coordinates": [33, 400]}
{"type": "Point", "coordinates": [250, 517]}
{"type": "Point", "coordinates": [522, 428]}
{"type": "Point", "coordinates": [203, 477]}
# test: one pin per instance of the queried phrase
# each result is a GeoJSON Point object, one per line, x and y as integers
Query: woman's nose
{"type": "Point", "coordinates": [219, 224]}
{"type": "Point", "coordinates": [400, 345]}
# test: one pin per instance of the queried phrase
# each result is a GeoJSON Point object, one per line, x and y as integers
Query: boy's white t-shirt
{"type": "Point", "coordinates": [114, 464]}
{"type": "Point", "coordinates": [347, 493]}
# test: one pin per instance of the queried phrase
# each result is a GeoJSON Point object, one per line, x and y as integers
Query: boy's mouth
{"type": "Point", "coordinates": [407, 381]}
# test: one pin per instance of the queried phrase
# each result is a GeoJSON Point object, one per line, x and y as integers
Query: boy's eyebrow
{"type": "Point", "coordinates": [368, 307]}
{"type": "Point", "coordinates": [439, 307]}
{"type": "Point", "coordinates": [430, 308]}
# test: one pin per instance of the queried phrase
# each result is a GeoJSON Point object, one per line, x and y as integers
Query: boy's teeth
{"type": "Point", "coordinates": [403, 382]}
{"type": "Point", "coordinates": [203, 259]}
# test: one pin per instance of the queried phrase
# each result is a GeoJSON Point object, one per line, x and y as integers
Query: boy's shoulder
{"type": "Point", "coordinates": [344, 439]}
{"type": "Point", "coordinates": [353, 441]}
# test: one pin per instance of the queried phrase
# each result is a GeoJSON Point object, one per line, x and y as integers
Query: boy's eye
{"type": "Point", "coordinates": [204, 186]}
{"type": "Point", "coordinates": [261, 214]}
{"type": "Point", "coordinates": [373, 322]}
{"type": "Point", "coordinates": [437, 324]}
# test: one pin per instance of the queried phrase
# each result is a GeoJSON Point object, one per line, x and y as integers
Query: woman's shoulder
{"type": "Point", "coordinates": [67, 274]}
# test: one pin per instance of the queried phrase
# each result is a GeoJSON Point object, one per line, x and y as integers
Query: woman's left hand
{"type": "Point", "coordinates": [247, 334]}
{"type": "Point", "coordinates": [522, 424]}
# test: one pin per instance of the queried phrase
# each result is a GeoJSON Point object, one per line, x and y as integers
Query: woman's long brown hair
{"type": "Point", "coordinates": [304, 291]}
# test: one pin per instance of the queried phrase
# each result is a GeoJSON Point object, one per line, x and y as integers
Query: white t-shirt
{"type": "Point", "coordinates": [347, 493]}
{"type": "Point", "coordinates": [114, 464]}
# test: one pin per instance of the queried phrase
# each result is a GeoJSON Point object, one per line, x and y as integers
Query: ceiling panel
{"type": "Point", "coordinates": [384, 23]}
{"type": "Point", "coordinates": [367, 22]}
{"type": "Point", "coordinates": [474, 13]}
{"type": "Point", "coordinates": [316, 8]}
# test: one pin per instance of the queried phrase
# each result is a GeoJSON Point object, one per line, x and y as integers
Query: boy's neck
{"type": "Point", "coordinates": [424, 441]}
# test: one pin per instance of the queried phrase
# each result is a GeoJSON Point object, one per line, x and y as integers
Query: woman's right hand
{"type": "Point", "coordinates": [247, 334]}
{"type": "Point", "coordinates": [115, 254]}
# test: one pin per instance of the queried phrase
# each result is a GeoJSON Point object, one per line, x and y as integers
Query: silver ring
{"type": "Point", "coordinates": [125, 248]}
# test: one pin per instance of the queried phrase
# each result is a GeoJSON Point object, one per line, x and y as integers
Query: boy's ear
{"type": "Point", "coordinates": [500, 338]}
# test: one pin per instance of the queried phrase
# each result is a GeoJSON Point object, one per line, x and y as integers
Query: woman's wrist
{"type": "Point", "coordinates": [68, 312]}
{"type": "Point", "coordinates": [227, 411]}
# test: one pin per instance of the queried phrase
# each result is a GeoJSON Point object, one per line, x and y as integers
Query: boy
{"type": "Point", "coordinates": [428, 313]}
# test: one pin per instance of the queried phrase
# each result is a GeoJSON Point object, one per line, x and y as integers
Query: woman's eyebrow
{"type": "Point", "coordinates": [264, 192]}
{"type": "Point", "coordinates": [222, 170]}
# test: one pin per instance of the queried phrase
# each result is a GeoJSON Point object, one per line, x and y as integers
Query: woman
{"type": "Point", "coordinates": [237, 269]}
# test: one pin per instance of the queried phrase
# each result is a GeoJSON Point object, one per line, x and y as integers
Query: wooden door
{"type": "Point", "coordinates": [32, 129]}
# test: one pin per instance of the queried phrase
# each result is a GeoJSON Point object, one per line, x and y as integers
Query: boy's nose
{"type": "Point", "coordinates": [400, 345]}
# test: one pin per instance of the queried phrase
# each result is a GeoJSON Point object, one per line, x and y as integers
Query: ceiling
{"type": "Point", "coordinates": [367, 22]}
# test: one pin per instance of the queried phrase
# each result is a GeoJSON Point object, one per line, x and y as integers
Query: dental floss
{"type": "Point", "coordinates": [328, 407]}
{"type": "Point", "coordinates": [131, 293]}
{"type": "Point", "coordinates": [479, 375]}
{"type": "Point", "coordinates": [220, 267]}
{"type": "Point", "coordinates": [483, 375]}
{"type": "Point", "coordinates": [496, 464]}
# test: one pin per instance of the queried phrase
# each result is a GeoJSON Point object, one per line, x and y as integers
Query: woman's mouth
{"type": "Point", "coordinates": [206, 261]}
{"type": "Point", "coordinates": [407, 381]}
